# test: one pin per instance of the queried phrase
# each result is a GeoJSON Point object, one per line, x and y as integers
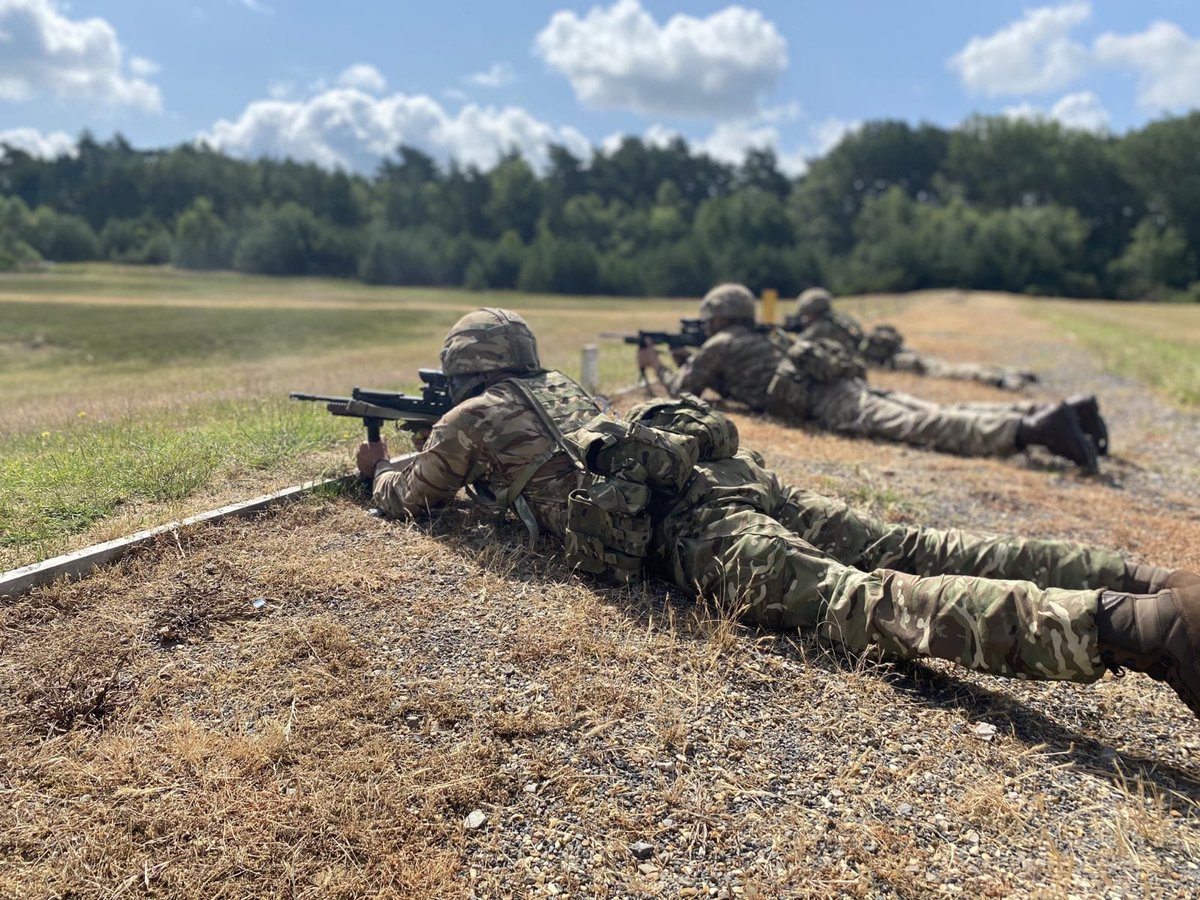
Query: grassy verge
{"type": "Point", "coordinates": [1159, 344]}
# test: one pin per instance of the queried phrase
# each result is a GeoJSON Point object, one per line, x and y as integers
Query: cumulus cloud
{"type": "Point", "coordinates": [1082, 110]}
{"type": "Point", "coordinates": [1034, 54]}
{"type": "Point", "coordinates": [44, 146]}
{"type": "Point", "coordinates": [142, 67]}
{"type": "Point", "coordinates": [1166, 59]}
{"type": "Point", "coordinates": [43, 53]}
{"type": "Point", "coordinates": [619, 57]}
{"type": "Point", "coordinates": [364, 77]}
{"type": "Point", "coordinates": [350, 129]}
{"type": "Point", "coordinates": [730, 141]}
{"type": "Point", "coordinates": [499, 75]}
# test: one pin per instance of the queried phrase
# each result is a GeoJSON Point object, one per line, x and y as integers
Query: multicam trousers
{"type": "Point", "coordinates": [970, 429]}
{"type": "Point", "coordinates": [786, 558]}
{"type": "Point", "coordinates": [931, 366]}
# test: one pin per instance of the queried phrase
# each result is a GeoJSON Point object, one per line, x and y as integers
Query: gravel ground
{"type": "Point", "coordinates": [433, 710]}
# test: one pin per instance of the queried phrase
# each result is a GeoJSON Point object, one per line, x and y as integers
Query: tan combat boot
{"type": "Point", "coordinates": [1158, 634]}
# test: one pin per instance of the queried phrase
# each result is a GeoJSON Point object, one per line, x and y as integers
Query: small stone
{"type": "Point", "coordinates": [476, 820]}
{"type": "Point", "coordinates": [641, 850]}
{"type": "Point", "coordinates": [531, 788]}
{"type": "Point", "coordinates": [985, 731]}
{"type": "Point", "coordinates": [904, 809]}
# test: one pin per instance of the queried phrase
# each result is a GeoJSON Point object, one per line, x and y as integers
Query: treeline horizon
{"type": "Point", "coordinates": [992, 204]}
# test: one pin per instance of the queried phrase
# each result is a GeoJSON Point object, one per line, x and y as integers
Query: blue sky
{"type": "Point", "coordinates": [342, 84]}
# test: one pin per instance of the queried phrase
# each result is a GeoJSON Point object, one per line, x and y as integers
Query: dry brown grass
{"type": "Point", "coordinates": [162, 737]}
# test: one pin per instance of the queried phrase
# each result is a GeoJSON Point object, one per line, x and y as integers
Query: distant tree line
{"type": "Point", "coordinates": [997, 204]}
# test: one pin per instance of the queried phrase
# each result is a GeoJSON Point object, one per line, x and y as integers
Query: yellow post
{"type": "Point", "coordinates": [770, 297]}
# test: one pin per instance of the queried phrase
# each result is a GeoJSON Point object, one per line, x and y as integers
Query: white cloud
{"type": "Point", "coordinates": [364, 77]}
{"type": "Point", "coordinates": [43, 53]}
{"type": "Point", "coordinates": [730, 141]}
{"type": "Point", "coordinates": [1033, 54]}
{"type": "Point", "coordinates": [258, 7]}
{"type": "Point", "coordinates": [280, 90]}
{"type": "Point", "coordinates": [499, 75]}
{"type": "Point", "coordinates": [656, 135]}
{"type": "Point", "coordinates": [142, 67]}
{"type": "Point", "coordinates": [33, 142]}
{"type": "Point", "coordinates": [620, 58]}
{"type": "Point", "coordinates": [347, 128]}
{"type": "Point", "coordinates": [829, 133]}
{"type": "Point", "coordinates": [1167, 60]}
{"type": "Point", "coordinates": [1082, 110]}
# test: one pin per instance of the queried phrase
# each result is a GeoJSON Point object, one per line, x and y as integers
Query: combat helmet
{"type": "Point", "coordinates": [727, 301]}
{"type": "Point", "coordinates": [484, 343]}
{"type": "Point", "coordinates": [816, 301]}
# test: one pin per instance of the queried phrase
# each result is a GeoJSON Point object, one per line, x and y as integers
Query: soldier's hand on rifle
{"type": "Point", "coordinates": [682, 355]}
{"type": "Point", "coordinates": [419, 437]}
{"type": "Point", "coordinates": [648, 358]}
{"type": "Point", "coordinates": [370, 454]}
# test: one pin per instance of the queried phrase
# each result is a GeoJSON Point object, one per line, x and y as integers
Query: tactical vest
{"type": "Point", "coordinates": [808, 364]}
{"type": "Point", "coordinates": [881, 345]}
{"type": "Point", "coordinates": [619, 463]}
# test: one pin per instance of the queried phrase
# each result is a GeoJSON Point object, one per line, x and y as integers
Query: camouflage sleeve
{"type": "Point", "coordinates": [436, 474]}
{"type": "Point", "coordinates": [702, 371]}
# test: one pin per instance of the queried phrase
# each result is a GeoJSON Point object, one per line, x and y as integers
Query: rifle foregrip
{"type": "Point", "coordinates": [372, 430]}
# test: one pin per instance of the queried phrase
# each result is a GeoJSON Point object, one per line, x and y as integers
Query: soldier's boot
{"type": "Point", "coordinates": [1057, 429]}
{"type": "Point", "coordinates": [1158, 634]}
{"type": "Point", "coordinates": [1144, 579]}
{"type": "Point", "coordinates": [1087, 408]}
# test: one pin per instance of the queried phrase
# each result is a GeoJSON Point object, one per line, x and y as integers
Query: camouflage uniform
{"type": "Point", "coordinates": [786, 558]}
{"type": "Point", "coordinates": [847, 331]}
{"type": "Point", "coordinates": [740, 363]}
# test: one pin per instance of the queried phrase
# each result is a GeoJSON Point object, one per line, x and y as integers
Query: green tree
{"type": "Point", "coordinates": [1156, 263]}
{"type": "Point", "coordinates": [201, 238]}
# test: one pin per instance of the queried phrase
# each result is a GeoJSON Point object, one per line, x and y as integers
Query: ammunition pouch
{"type": "Point", "coordinates": [715, 434]}
{"type": "Point", "coordinates": [824, 361]}
{"type": "Point", "coordinates": [630, 451]}
{"type": "Point", "coordinates": [880, 346]}
{"type": "Point", "coordinates": [608, 529]}
{"type": "Point", "coordinates": [789, 396]}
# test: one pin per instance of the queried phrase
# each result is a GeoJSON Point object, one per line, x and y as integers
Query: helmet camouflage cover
{"type": "Point", "coordinates": [728, 301]}
{"type": "Point", "coordinates": [490, 340]}
{"type": "Point", "coordinates": [816, 301]}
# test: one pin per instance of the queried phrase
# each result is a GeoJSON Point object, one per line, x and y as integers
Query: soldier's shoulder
{"type": "Point", "coordinates": [497, 401]}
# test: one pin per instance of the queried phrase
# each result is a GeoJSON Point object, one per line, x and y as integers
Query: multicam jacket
{"type": "Point", "coordinates": [492, 438]}
{"type": "Point", "coordinates": [835, 326]}
{"type": "Point", "coordinates": [737, 362]}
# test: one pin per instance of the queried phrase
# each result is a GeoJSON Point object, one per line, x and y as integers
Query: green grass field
{"type": "Point", "coordinates": [1157, 344]}
{"type": "Point", "coordinates": [135, 395]}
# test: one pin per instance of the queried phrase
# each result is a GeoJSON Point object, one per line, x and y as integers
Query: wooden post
{"type": "Point", "coordinates": [770, 298]}
{"type": "Point", "coordinates": [589, 369]}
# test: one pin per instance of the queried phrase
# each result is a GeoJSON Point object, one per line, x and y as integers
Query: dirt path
{"type": "Point", "coordinates": [170, 735]}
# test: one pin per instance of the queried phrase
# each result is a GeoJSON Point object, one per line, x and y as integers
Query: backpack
{"type": "Point", "coordinates": [883, 343]}
{"type": "Point", "coordinates": [716, 434]}
{"type": "Point", "coordinates": [608, 526]}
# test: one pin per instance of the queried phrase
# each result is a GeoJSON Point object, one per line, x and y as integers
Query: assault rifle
{"type": "Point", "coordinates": [690, 334]}
{"type": "Point", "coordinates": [376, 407]}
{"type": "Point", "coordinates": [793, 324]}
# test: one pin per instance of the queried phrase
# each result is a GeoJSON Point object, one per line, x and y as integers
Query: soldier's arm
{"type": "Point", "coordinates": [437, 473]}
{"type": "Point", "coordinates": [702, 371]}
